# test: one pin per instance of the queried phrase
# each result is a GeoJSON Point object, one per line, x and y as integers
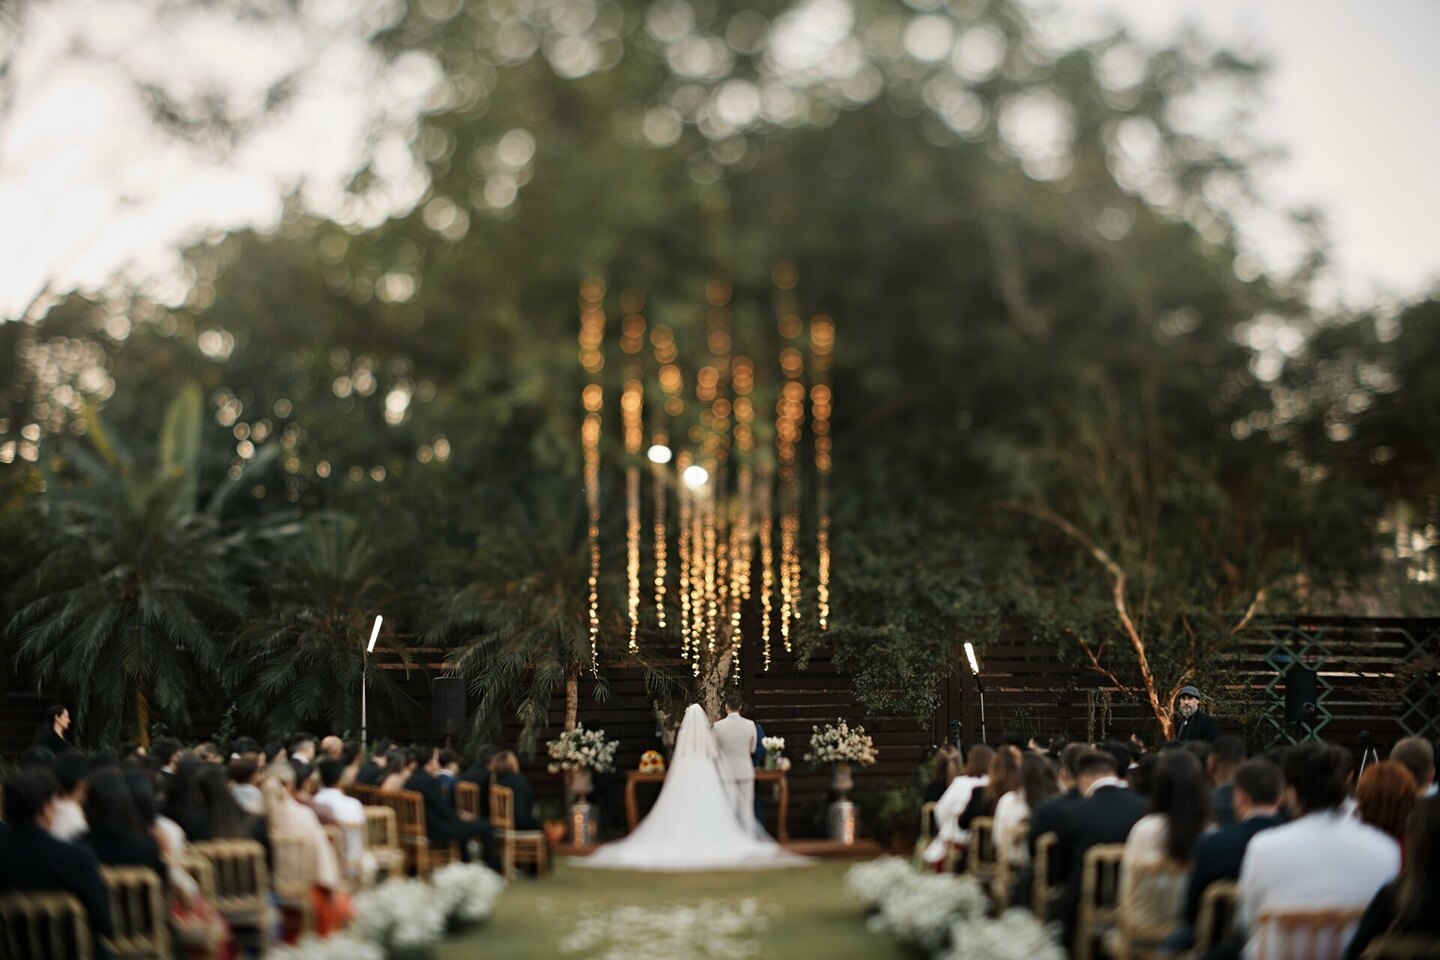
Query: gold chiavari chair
{"type": "Point", "coordinates": [1217, 915]}
{"type": "Point", "coordinates": [242, 884]}
{"type": "Point", "coordinates": [516, 846]}
{"type": "Point", "coordinates": [293, 876]}
{"type": "Point", "coordinates": [44, 926]}
{"type": "Point", "coordinates": [467, 798]}
{"type": "Point", "coordinates": [382, 841]}
{"type": "Point", "coordinates": [1303, 934]}
{"type": "Point", "coordinates": [1099, 897]}
{"type": "Point", "coordinates": [138, 913]}
{"type": "Point", "coordinates": [1042, 892]}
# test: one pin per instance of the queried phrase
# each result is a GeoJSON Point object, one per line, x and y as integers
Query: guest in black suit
{"type": "Point", "coordinates": [1257, 788]}
{"type": "Point", "coordinates": [1195, 724]}
{"type": "Point", "coordinates": [33, 860]}
{"type": "Point", "coordinates": [1226, 755]}
{"type": "Point", "coordinates": [1406, 905]}
{"type": "Point", "coordinates": [506, 772]}
{"type": "Point", "coordinates": [373, 769]}
{"type": "Point", "coordinates": [1105, 815]}
{"type": "Point", "coordinates": [116, 833]}
{"type": "Point", "coordinates": [443, 825]}
{"type": "Point", "coordinates": [478, 773]}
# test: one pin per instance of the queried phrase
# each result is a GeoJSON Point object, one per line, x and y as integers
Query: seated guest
{"type": "Point", "coordinates": [332, 747]}
{"type": "Point", "coordinates": [1179, 811]}
{"type": "Point", "coordinates": [332, 806]}
{"type": "Point", "coordinates": [1407, 907]}
{"type": "Point", "coordinates": [954, 801]}
{"type": "Point", "coordinates": [449, 772]}
{"type": "Point", "coordinates": [1218, 854]}
{"type": "Point", "coordinates": [244, 775]}
{"type": "Point", "coordinates": [71, 768]}
{"type": "Point", "coordinates": [443, 826]}
{"type": "Point", "coordinates": [1226, 755]}
{"type": "Point", "coordinates": [301, 746]}
{"type": "Point", "coordinates": [372, 770]}
{"type": "Point", "coordinates": [506, 772]}
{"type": "Point", "coordinates": [478, 773]}
{"type": "Point", "coordinates": [1106, 813]}
{"type": "Point", "coordinates": [352, 761]}
{"type": "Point", "coordinates": [218, 816]}
{"type": "Point", "coordinates": [1385, 797]}
{"type": "Point", "coordinates": [1004, 778]}
{"type": "Point", "coordinates": [1044, 817]}
{"type": "Point", "coordinates": [330, 905]}
{"type": "Point", "coordinates": [208, 753]}
{"type": "Point", "coordinates": [399, 766]}
{"type": "Point", "coordinates": [1418, 756]}
{"type": "Point", "coordinates": [1141, 775]}
{"type": "Point", "coordinates": [1323, 860]}
{"type": "Point", "coordinates": [945, 767]}
{"type": "Point", "coordinates": [1012, 810]}
{"type": "Point", "coordinates": [33, 860]}
{"type": "Point", "coordinates": [116, 834]}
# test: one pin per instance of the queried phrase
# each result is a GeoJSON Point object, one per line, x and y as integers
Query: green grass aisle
{"type": "Point", "coordinates": [609, 915]}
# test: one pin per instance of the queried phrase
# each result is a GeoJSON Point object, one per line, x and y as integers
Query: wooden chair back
{"type": "Point", "coordinates": [1303, 934]}
{"type": "Point", "coordinates": [502, 808]}
{"type": "Point", "coordinates": [927, 822]}
{"type": "Point", "coordinates": [1152, 898]}
{"type": "Point", "coordinates": [242, 883]}
{"type": "Point", "coordinates": [292, 864]}
{"type": "Point", "coordinates": [44, 926]}
{"type": "Point", "coordinates": [382, 840]}
{"type": "Point", "coordinates": [363, 792]}
{"type": "Point", "coordinates": [1099, 896]}
{"type": "Point", "coordinates": [1042, 890]}
{"type": "Point", "coordinates": [982, 858]}
{"type": "Point", "coordinates": [467, 797]}
{"type": "Point", "coordinates": [138, 913]}
{"type": "Point", "coordinates": [1217, 915]}
{"type": "Point", "coordinates": [201, 937]}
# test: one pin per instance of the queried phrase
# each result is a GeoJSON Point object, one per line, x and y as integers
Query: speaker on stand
{"type": "Point", "coordinates": [447, 707]}
{"type": "Point", "coordinates": [1302, 698]}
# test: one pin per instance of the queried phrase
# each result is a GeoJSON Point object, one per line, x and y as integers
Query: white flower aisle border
{"type": "Point", "coordinates": [708, 930]}
{"type": "Point", "coordinates": [945, 916]}
{"type": "Point", "coordinates": [402, 917]}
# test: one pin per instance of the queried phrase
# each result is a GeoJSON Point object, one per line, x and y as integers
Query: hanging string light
{"type": "Point", "coordinates": [822, 343]}
{"type": "Point", "coordinates": [592, 358]}
{"type": "Point", "coordinates": [687, 520]}
{"type": "Point", "coordinates": [789, 416]}
{"type": "Point", "coordinates": [660, 455]}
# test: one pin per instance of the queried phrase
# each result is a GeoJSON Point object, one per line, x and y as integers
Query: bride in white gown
{"type": "Point", "coordinates": [693, 825]}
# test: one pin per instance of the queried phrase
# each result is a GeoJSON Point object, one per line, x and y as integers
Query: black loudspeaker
{"type": "Point", "coordinates": [447, 708]}
{"type": "Point", "coordinates": [1302, 690]}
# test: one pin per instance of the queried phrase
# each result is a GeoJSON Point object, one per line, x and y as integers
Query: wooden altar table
{"type": "Point", "coordinates": [632, 810]}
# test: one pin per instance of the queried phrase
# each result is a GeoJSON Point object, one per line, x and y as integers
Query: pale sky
{"type": "Point", "coordinates": [86, 193]}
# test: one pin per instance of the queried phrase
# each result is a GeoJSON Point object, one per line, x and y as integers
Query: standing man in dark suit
{"type": "Point", "coordinates": [443, 826]}
{"type": "Point", "coordinates": [1257, 789]}
{"type": "Point", "coordinates": [33, 860]}
{"type": "Point", "coordinates": [1195, 724]}
{"type": "Point", "coordinates": [1105, 815]}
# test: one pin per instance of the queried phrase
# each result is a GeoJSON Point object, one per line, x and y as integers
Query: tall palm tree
{"type": "Point", "coordinates": [521, 628]}
{"type": "Point", "coordinates": [303, 661]}
{"type": "Point", "coordinates": [124, 608]}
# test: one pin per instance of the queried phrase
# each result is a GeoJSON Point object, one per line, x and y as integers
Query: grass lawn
{"type": "Point", "coordinates": [612, 915]}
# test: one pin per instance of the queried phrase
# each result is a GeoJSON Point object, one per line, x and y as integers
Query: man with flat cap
{"type": "Point", "coordinates": [1195, 724]}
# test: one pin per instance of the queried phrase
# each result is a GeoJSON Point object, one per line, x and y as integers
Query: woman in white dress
{"type": "Point", "coordinates": [693, 824]}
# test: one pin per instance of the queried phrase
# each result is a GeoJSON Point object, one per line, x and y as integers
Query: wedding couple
{"type": "Point", "coordinates": [704, 818]}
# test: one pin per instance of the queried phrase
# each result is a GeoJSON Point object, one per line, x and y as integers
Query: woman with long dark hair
{"type": "Point", "coordinates": [1407, 907]}
{"type": "Point", "coordinates": [52, 730]}
{"type": "Point", "coordinates": [1012, 810]}
{"type": "Point", "coordinates": [955, 801]}
{"type": "Point", "coordinates": [1004, 777]}
{"type": "Point", "coordinates": [1179, 811]}
{"type": "Point", "coordinates": [116, 833]}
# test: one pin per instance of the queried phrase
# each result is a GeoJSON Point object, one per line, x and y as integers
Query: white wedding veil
{"type": "Point", "coordinates": [695, 738]}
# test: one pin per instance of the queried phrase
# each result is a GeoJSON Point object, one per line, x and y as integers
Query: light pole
{"type": "Point", "coordinates": [364, 668]}
{"type": "Point", "coordinates": [979, 685]}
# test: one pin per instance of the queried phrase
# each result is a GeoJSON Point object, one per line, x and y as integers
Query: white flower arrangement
{"type": "Point", "coordinates": [400, 914]}
{"type": "Point", "coordinates": [920, 911]}
{"type": "Point", "coordinates": [773, 744]}
{"type": "Point", "coordinates": [872, 881]}
{"type": "Point", "coordinates": [582, 749]}
{"type": "Point", "coordinates": [338, 947]}
{"type": "Point", "coordinates": [840, 743]}
{"type": "Point", "coordinates": [469, 890]}
{"type": "Point", "coordinates": [1015, 935]}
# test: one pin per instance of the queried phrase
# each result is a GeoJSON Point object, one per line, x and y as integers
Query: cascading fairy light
{"type": "Point", "coordinates": [687, 560]}
{"type": "Point", "coordinates": [789, 415]}
{"type": "Point", "coordinates": [822, 344]}
{"type": "Point", "coordinates": [767, 563]}
{"type": "Point", "coordinates": [632, 401]}
{"type": "Point", "coordinates": [671, 383]}
{"type": "Point", "coordinates": [592, 358]}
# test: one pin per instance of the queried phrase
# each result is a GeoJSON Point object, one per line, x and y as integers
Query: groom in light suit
{"type": "Point", "coordinates": [737, 739]}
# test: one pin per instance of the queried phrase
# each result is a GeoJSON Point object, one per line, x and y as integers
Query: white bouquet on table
{"type": "Point", "coordinates": [774, 744]}
{"type": "Point", "coordinates": [582, 749]}
{"type": "Point", "coordinates": [840, 743]}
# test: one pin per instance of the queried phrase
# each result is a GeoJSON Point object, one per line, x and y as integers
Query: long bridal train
{"type": "Point", "coordinates": [693, 825]}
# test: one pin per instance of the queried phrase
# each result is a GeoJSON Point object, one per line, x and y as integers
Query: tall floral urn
{"type": "Point", "coordinates": [578, 754]}
{"type": "Point", "coordinates": [840, 746]}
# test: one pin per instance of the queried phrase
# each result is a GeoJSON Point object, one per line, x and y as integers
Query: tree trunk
{"type": "Point", "coordinates": [142, 718]}
{"type": "Point", "coordinates": [572, 699]}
